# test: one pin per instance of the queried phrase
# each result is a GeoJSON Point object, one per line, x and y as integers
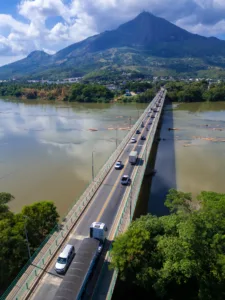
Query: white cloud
{"type": "Point", "coordinates": [82, 18]}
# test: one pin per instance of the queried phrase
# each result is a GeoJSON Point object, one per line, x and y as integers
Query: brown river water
{"type": "Point", "coordinates": [46, 149]}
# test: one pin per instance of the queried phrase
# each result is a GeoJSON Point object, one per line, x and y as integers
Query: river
{"type": "Point", "coordinates": [46, 148]}
{"type": "Point", "coordinates": [192, 158]}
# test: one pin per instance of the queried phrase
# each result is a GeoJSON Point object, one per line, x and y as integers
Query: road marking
{"type": "Point", "coordinates": [116, 183]}
{"type": "Point", "coordinates": [80, 237]}
{"type": "Point", "coordinates": [110, 194]}
{"type": "Point", "coordinates": [121, 206]}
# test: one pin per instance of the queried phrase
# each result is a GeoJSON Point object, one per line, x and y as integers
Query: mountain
{"type": "Point", "coordinates": [147, 44]}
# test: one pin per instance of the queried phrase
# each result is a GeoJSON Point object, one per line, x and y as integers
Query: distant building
{"type": "Point", "coordinates": [33, 81]}
{"type": "Point", "coordinates": [72, 80]}
{"type": "Point", "coordinates": [112, 87]}
{"type": "Point", "coordinates": [128, 93]}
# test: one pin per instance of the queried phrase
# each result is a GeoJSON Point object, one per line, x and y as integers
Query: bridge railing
{"type": "Point", "coordinates": [126, 215]}
{"type": "Point", "coordinates": [28, 276]}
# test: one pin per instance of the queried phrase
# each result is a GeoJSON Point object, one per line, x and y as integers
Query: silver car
{"type": "Point", "coordinates": [133, 141]}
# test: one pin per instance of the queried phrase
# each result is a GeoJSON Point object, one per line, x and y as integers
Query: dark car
{"type": "Point", "coordinates": [125, 180]}
{"type": "Point", "coordinates": [138, 132]}
{"type": "Point", "coordinates": [143, 138]}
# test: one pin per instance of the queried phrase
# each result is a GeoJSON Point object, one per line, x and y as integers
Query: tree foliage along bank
{"type": "Point", "coordinates": [38, 218]}
{"type": "Point", "coordinates": [89, 93]}
{"type": "Point", "coordinates": [195, 91]}
{"type": "Point", "coordinates": [180, 256]}
{"type": "Point", "coordinates": [63, 92]}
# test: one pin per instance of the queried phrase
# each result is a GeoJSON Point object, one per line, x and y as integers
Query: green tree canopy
{"type": "Point", "coordinates": [5, 198]}
{"type": "Point", "coordinates": [39, 219]}
{"type": "Point", "coordinates": [195, 91]}
{"type": "Point", "coordinates": [180, 256]}
{"type": "Point", "coordinates": [89, 93]}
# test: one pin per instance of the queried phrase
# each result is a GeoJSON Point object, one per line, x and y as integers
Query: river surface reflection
{"type": "Point", "coordinates": [46, 149]}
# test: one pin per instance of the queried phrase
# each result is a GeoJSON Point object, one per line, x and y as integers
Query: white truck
{"type": "Point", "coordinates": [77, 277]}
{"type": "Point", "coordinates": [133, 157]}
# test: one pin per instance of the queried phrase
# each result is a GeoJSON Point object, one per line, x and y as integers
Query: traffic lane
{"type": "Point", "coordinates": [113, 206]}
{"type": "Point", "coordinates": [115, 202]}
{"type": "Point", "coordinates": [116, 197]}
{"type": "Point", "coordinates": [72, 241]}
{"type": "Point", "coordinates": [50, 285]}
{"type": "Point", "coordinates": [98, 202]}
{"type": "Point", "coordinates": [49, 289]}
{"type": "Point", "coordinates": [108, 217]}
{"type": "Point", "coordinates": [110, 180]}
{"type": "Point", "coordinates": [51, 281]}
{"type": "Point", "coordinates": [103, 192]}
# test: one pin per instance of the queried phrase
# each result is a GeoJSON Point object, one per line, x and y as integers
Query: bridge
{"type": "Point", "coordinates": [105, 200]}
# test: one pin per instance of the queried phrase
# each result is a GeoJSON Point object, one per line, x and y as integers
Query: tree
{"type": "Point", "coordinates": [5, 198]}
{"type": "Point", "coordinates": [4, 209]}
{"type": "Point", "coordinates": [41, 219]}
{"type": "Point", "coordinates": [180, 256]}
{"type": "Point", "coordinates": [13, 250]}
{"type": "Point", "coordinates": [89, 93]}
{"type": "Point", "coordinates": [178, 201]}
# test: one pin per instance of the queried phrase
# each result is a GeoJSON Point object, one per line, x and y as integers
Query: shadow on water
{"type": "Point", "coordinates": [161, 170]}
{"type": "Point", "coordinates": [165, 165]}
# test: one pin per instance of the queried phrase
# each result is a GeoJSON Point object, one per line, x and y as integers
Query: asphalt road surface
{"type": "Point", "coordinates": [103, 208]}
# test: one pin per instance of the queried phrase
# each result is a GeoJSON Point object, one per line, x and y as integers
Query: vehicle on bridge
{"type": "Point", "coordinates": [143, 138]}
{"type": "Point", "coordinates": [133, 157]}
{"type": "Point", "coordinates": [64, 259]}
{"type": "Point", "coordinates": [133, 141]}
{"type": "Point", "coordinates": [138, 132]}
{"type": "Point", "coordinates": [118, 165]}
{"type": "Point", "coordinates": [125, 180]}
{"type": "Point", "coordinates": [75, 281]}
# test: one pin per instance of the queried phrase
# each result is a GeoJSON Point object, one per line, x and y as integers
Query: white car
{"type": "Point", "coordinates": [133, 141]}
{"type": "Point", "coordinates": [125, 180]}
{"type": "Point", "coordinates": [118, 165]}
{"type": "Point", "coordinates": [64, 259]}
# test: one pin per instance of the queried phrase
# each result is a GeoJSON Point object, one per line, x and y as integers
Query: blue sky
{"type": "Point", "coordinates": [50, 25]}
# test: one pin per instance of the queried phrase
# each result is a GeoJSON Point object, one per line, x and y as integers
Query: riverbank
{"type": "Point", "coordinates": [129, 92]}
{"type": "Point", "coordinates": [77, 92]}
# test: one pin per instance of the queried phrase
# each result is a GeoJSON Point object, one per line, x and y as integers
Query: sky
{"type": "Point", "coordinates": [50, 25]}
